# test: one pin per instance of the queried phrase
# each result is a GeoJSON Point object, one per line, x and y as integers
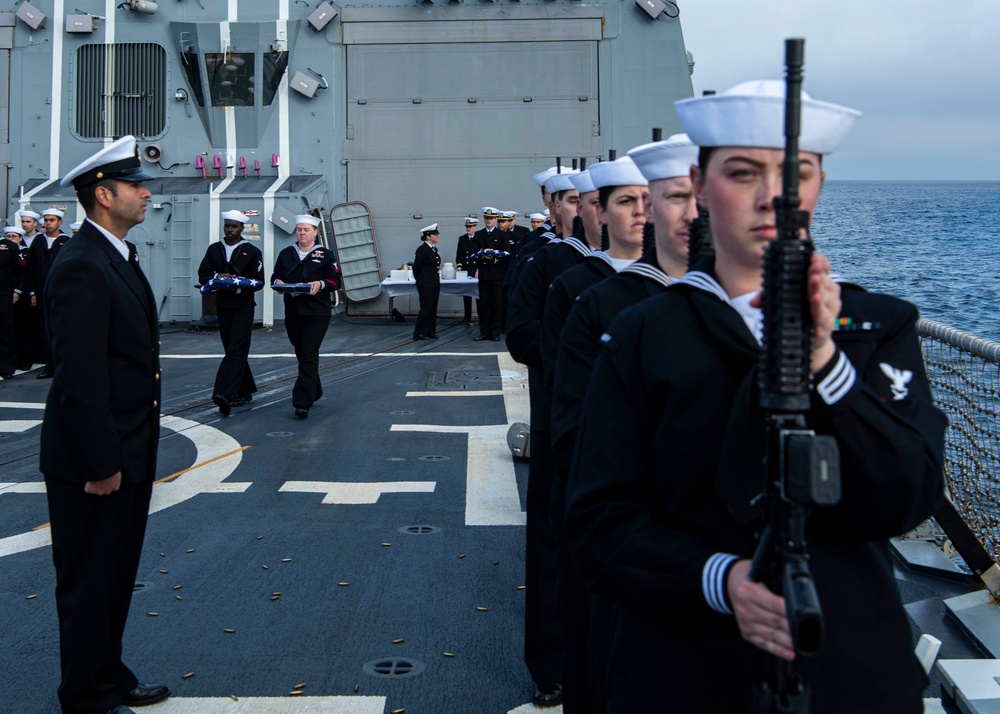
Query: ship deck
{"type": "Point", "coordinates": [366, 560]}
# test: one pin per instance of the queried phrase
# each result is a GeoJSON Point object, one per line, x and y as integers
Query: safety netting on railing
{"type": "Point", "coordinates": [963, 370]}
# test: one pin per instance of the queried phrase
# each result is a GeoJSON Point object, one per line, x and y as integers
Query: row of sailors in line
{"type": "Point", "coordinates": [647, 445]}
{"type": "Point", "coordinates": [26, 255]}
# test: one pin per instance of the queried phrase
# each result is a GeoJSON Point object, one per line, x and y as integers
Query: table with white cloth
{"type": "Point", "coordinates": [467, 287]}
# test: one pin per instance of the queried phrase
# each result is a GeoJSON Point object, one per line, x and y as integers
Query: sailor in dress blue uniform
{"type": "Point", "coordinates": [427, 276]}
{"type": "Point", "coordinates": [662, 515]}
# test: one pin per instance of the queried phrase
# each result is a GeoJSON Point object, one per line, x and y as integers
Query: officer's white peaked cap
{"type": "Point", "coordinates": [432, 228]}
{"type": "Point", "coordinates": [665, 159]}
{"type": "Point", "coordinates": [752, 114]}
{"type": "Point", "coordinates": [119, 161]}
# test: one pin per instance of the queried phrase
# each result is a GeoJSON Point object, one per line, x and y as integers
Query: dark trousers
{"type": "Point", "coordinates": [25, 338]}
{"type": "Point", "coordinates": [8, 335]}
{"type": "Point", "coordinates": [585, 622]}
{"type": "Point", "coordinates": [42, 354]}
{"type": "Point", "coordinates": [543, 640]}
{"type": "Point", "coordinates": [306, 333]}
{"type": "Point", "coordinates": [467, 308]}
{"type": "Point", "coordinates": [96, 544]}
{"type": "Point", "coordinates": [427, 317]}
{"type": "Point", "coordinates": [491, 307]}
{"type": "Point", "coordinates": [234, 378]}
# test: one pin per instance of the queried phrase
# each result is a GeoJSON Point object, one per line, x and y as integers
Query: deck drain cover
{"type": "Point", "coordinates": [393, 667]}
{"type": "Point", "coordinates": [280, 433]}
{"type": "Point", "coordinates": [419, 530]}
{"type": "Point", "coordinates": [469, 379]}
{"type": "Point", "coordinates": [434, 457]}
{"type": "Point", "coordinates": [400, 412]}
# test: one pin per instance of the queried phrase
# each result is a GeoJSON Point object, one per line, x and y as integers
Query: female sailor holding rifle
{"type": "Point", "coordinates": [312, 276]}
{"type": "Point", "coordinates": [662, 510]}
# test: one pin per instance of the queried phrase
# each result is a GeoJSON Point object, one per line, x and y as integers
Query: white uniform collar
{"type": "Point", "coordinates": [119, 243]}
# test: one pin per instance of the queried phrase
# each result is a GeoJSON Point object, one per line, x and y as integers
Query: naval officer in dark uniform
{"type": "Point", "coordinates": [466, 247]}
{"type": "Point", "coordinates": [11, 271]}
{"type": "Point", "coordinates": [494, 248]}
{"type": "Point", "coordinates": [100, 431]}
{"type": "Point", "coordinates": [427, 275]}
{"type": "Point", "coordinates": [231, 258]}
{"type": "Point", "coordinates": [307, 315]}
{"type": "Point", "coordinates": [663, 514]}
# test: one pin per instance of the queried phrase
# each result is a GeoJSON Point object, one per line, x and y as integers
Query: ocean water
{"type": "Point", "coordinates": [934, 243]}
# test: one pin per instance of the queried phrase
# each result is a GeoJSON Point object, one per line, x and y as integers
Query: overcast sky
{"type": "Point", "coordinates": [925, 74]}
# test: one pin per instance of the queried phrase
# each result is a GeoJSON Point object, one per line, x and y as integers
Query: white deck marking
{"type": "Point", "coordinates": [459, 393]}
{"type": "Point", "coordinates": [18, 426]}
{"type": "Point", "coordinates": [209, 443]}
{"type": "Point", "coordinates": [354, 493]}
{"type": "Point", "coordinates": [532, 709]}
{"type": "Point", "coordinates": [491, 497]}
{"type": "Point", "coordinates": [270, 705]}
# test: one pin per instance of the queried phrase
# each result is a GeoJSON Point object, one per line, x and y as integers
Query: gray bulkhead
{"type": "Point", "coordinates": [425, 112]}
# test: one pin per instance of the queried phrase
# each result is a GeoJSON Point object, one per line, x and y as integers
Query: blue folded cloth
{"type": "Point", "coordinates": [229, 284]}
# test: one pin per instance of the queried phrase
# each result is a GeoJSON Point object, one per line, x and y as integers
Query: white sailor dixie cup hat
{"type": "Point", "coordinates": [13, 229]}
{"type": "Point", "coordinates": [752, 114]}
{"type": "Point", "coordinates": [620, 172]}
{"type": "Point", "coordinates": [76, 225]}
{"type": "Point", "coordinates": [119, 161]}
{"type": "Point", "coordinates": [234, 216]}
{"type": "Point", "coordinates": [560, 182]}
{"type": "Point", "coordinates": [541, 177]}
{"type": "Point", "coordinates": [582, 182]}
{"type": "Point", "coordinates": [536, 217]}
{"type": "Point", "coordinates": [306, 218]}
{"type": "Point", "coordinates": [431, 229]}
{"type": "Point", "coordinates": [53, 212]}
{"type": "Point", "coordinates": [665, 159]}
{"type": "Point", "coordinates": [23, 213]}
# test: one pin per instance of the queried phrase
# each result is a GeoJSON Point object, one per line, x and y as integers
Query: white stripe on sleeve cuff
{"type": "Point", "coordinates": [839, 382]}
{"type": "Point", "coordinates": [713, 581]}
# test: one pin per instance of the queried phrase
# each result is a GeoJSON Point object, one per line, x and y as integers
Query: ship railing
{"type": "Point", "coordinates": [964, 371]}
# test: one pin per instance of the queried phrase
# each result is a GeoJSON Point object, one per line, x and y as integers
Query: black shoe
{"type": "Point", "coordinates": [480, 338]}
{"type": "Point", "coordinates": [242, 400]}
{"type": "Point", "coordinates": [432, 337]}
{"type": "Point", "coordinates": [225, 406]}
{"type": "Point", "coordinates": [44, 374]}
{"type": "Point", "coordinates": [547, 695]}
{"type": "Point", "coordinates": [144, 694]}
{"type": "Point", "coordinates": [420, 337]}
{"type": "Point", "coordinates": [121, 709]}
{"type": "Point", "coordinates": [495, 339]}
{"type": "Point", "coordinates": [301, 413]}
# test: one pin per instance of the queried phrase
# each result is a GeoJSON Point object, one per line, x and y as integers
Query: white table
{"type": "Point", "coordinates": [468, 287]}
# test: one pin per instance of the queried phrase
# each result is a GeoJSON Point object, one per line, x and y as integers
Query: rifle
{"type": "Point", "coordinates": [802, 468]}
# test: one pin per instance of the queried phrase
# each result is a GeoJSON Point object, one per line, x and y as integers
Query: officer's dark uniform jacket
{"type": "Point", "coordinates": [317, 265]}
{"type": "Point", "coordinates": [527, 306]}
{"type": "Point", "coordinates": [102, 415]}
{"type": "Point", "coordinates": [493, 268]}
{"type": "Point", "coordinates": [466, 247]}
{"type": "Point", "coordinates": [426, 264]}
{"type": "Point", "coordinates": [11, 276]}
{"type": "Point", "coordinates": [668, 458]}
{"type": "Point", "coordinates": [246, 261]}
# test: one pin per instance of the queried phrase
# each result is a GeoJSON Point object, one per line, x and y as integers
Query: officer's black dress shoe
{"type": "Point", "coordinates": [144, 694]}
{"type": "Point", "coordinates": [420, 337]}
{"type": "Point", "coordinates": [479, 338]}
{"type": "Point", "coordinates": [242, 400]}
{"type": "Point", "coordinates": [225, 406]}
{"type": "Point", "coordinates": [547, 695]}
{"type": "Point", "coordinates": [121, 709]}
{"type": "Point", "coordinates": [301, 413]}
{"type": "Point", "coordinates": [44, 374]}
{"type": "Point", "coordinates": [431, 337]}
{"type": "Point", "coordinates": [495, 339]}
